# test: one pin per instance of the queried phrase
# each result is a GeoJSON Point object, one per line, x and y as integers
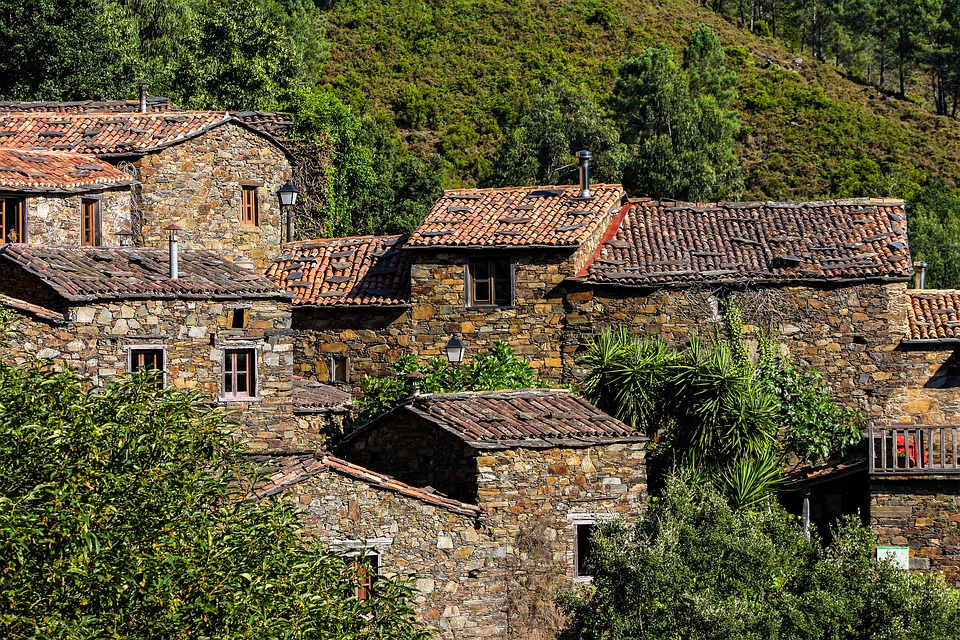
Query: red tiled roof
{"type": "Point", "coordinates": [313, 395]}
{"type": "Point", "coordinates": [105, 273]}
{"type": "Point", "coordinates": [32, 309]}
{"type": "Point", "coordinates": [670, 243]}
{"type": "Point", "coordinates": [109, 134]}
{"type": "Point", "coordinates": [368, 270]}
{"type": "Point", "coordinates": [276, 123]}
{"type": "Point", "coordinates": [934, 314]}
{"type": "Point", "coordinates": [515, 217]}
{"type": "Point", "coordinates": [288, 470]}
{"type": "Point", "coordinates": [47, 171]}
{"type": "Point", "coordinates": [523, 417]}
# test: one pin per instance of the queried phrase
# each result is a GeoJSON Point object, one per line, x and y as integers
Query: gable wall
{"type": "Point", "coordinates": [453, 561]}
{"type": "Point", "coordinates": [95, 343]}
{"type": "Point", "coordinates": [197, 185]}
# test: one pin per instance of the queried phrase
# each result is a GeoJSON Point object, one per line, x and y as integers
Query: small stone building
{"type": "Point", "coordinates": [212, 174]}
{"type": "Point", "coordinates": [217, 328]}
{"type": "Point", "coordinates": [485, 500]}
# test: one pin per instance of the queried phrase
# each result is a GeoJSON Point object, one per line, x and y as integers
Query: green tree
{"type": "Point", "coordinates": [130, 513]}
{"type": "Point", "coordinates": [500, 369]}
{"type": "Point", "coordinates": [678, 122]}
{"type": "Point", "coordinates": [934, 224]}
{"type": "Point", "coordinates": [558, 121]}
{"type": "Point", "coordinates": [65, 50]}
{"type": "Point", "coordinates": [694, 567]}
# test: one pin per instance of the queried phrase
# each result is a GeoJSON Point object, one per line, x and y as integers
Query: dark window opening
{"type": "Point", "coordinates": [490, 283]}
{"type": "Point", "coordinates": [249, 206]}
{"type": "Point", "coordinates": [238, 319]}
{"type": "Point", "coordinates": [239, 373]}
{"type": "Point", "coordinates": [13, 219]}
{"type": "Point", "coordinates": [339, 369]}
{"type": "Point", "coordinates": [947, 375]}
{"type": "Point", "coordinates": [583, 542]}
{"type": "Point", "coordinates": [151, 360]}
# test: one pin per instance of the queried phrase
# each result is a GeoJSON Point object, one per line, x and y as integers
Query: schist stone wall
{"type": "Point", "coordinates": [932, 392]}
{"type": "Point", "coordinates": [57, 220]}
{"type": "Point", "coordinates": [533, 326]}
{"type": "Point", "coordinates": [533, 499]}
{"type": "Point", "coordinates": [455, 563]}
{"type": "Point", "coordinates": [923, 514]}
{"type": "Point", "coordinates": [198, 184]}
{"type": "Point", "coordinates": [97, 339]}
{"type": "Point", "coordinates": [852, 333]}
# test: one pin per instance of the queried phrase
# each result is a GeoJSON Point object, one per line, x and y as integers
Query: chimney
{"type": "Point", "coordinates": [921, 268]}
{"type": "Point", "coordinates": [143, 97]}
{"type": "Point", "coordinates": [174, 252]}
{"type": "Point", "coordinates": [584, 157]}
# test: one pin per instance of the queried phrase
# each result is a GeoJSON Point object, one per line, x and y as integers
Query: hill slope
{"type": "Point", "coordinates": [455, 74]}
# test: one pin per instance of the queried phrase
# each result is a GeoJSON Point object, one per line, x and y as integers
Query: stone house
{"type": "Point", "coordinates": [485, 500]}
{"type": "Point", "coordinates": [209, 172]}
{"type": "Point", "coordinates": [217, 327]}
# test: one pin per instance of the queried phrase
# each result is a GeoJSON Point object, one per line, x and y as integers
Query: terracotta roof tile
{"type": "Point", "coordinates": [288, 470]}
{"type": "Point", "coordinates": [809, 474]}
{"type": "Point", "coordinates": [156, 104]}
{"type": "Point", "coordinates": [105, 133]}
{"type": "Point", "coordinates": [669, 243]}
{"type": "Point", "coordinates": [310, 394]}
{"type": "Point", "coordinates": [365, 270]}
{"type": "Point", "coordinates": [32, 309]}
{"type": "Point", "coordinates": [934, 314]}
{"type": "Point", "coordinates": [46, 171]}
{"type": "Point", "coordinates": [524, 417]}
{"type": "Point", "coordinates": [106, 273]}
{"type": "Point", "coordinates": [515, 217]}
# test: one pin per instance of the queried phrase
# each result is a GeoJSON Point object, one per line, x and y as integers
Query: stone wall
{"type": "Point", "coordinates": [932, 391]}
{"type": "Point", "coordinates": [197, 185]}
{"type": "Point", "coordinates": [851, 333]}
{"type": "Point", "coordinates": [98, 336]}
{"type": "Point", "coordinates": [923, 514]}
{"type": "Point", "coordinates": [454, 562]}
{"type": "Point", "coordinates": [55, 219]}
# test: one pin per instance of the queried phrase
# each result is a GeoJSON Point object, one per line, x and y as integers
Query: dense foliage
{"type": "Point", "coordinates": [694, 567]}
{"type": "Point", "coordinates": [500, 369]}
{"type": "Point", "coordinates": [127, 513]}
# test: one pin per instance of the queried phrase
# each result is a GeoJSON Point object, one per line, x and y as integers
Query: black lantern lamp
{"type": "Point", "coordinates": [288, 198]}
{"type": "Point", "coordinates": [454, 350]}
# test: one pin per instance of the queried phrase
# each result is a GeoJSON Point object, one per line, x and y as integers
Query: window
{"type": "Point", "coordinates": [90, 227]}
{"type": "Point", "coordinates": [368, 571]}
{"type": "Point", "coordinates": [239, 373]}
{"type": "Point", "coordinates": [148, 358]}
{"type": "Point", "coordinates": [238, 318]}
{"type": "Point", "coordinates": [581, 553]}
{"type": "Point", "coordinates": [14, 221]}
{"type": "Point", "coordinates": [339, 369]}
{"type": "Point", "coordinates": [490, 282]}
{"type": "Point", "coordinates": [249, 206]}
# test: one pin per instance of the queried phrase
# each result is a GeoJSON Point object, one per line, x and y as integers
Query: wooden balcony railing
{"type": "Point", "coordinates": [914, 449]}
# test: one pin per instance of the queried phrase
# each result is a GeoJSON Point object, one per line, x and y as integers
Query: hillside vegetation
{"type": "Point", "coordinates": [455, 75]}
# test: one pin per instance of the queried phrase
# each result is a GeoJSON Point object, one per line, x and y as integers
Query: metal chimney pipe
{"type": "Point", "coordinates": [143, 97]}
{"type": "Point", "coordinates": [584, 157]}
{"type": "Point", "coordinates": [174, 251]}
{"type": "Point", "coordinates": [921, 268]}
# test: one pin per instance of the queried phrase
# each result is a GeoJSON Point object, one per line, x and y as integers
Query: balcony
{"type": "Point", "coordinates": [914, 450]}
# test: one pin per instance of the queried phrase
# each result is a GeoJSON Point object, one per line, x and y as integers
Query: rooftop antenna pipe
{"type": "Point", "coordinates": [584, 157]}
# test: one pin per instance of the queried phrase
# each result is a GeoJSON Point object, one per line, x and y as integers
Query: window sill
{"type": "Point", "coordinates": [488, 307]}
{"type": "Point", "coordinates": [238, 399]}
{"type": "Point", "coordinates": [583, 579]}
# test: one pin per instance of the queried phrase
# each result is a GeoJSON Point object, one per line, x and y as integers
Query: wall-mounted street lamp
{"type": "Point", "coordinates": [288, 198]}
{"type": "Point", "coordinates": [454, 350]}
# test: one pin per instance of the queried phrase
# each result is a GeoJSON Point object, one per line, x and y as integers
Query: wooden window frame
{"type": "Point", "coordinates": [92, 235]}
{"type": "Point", "coordinates": [20, 222]}
{"type": "Point", "coordinates": [249, 205]}
{"type": "Point", "coordinates": [333, 369]}
{"type": "Point", "coordinates": [134, 351]}
{"type": "Point", "coordinates": [494, 282]}
{"type": "Point", "coordinates": [368, 572]}
{"type": "Point", "coordinates": [233, 358]}
{"type": "Point", "coordinates": [583, 524]}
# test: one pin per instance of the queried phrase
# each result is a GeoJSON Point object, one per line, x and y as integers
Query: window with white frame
{"type": "Point", "coordinates": [365, 560]}
{"type": "Point", "coordinates": [584, 525]}
{"type": "Point", "coordinates": [239, 373]}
